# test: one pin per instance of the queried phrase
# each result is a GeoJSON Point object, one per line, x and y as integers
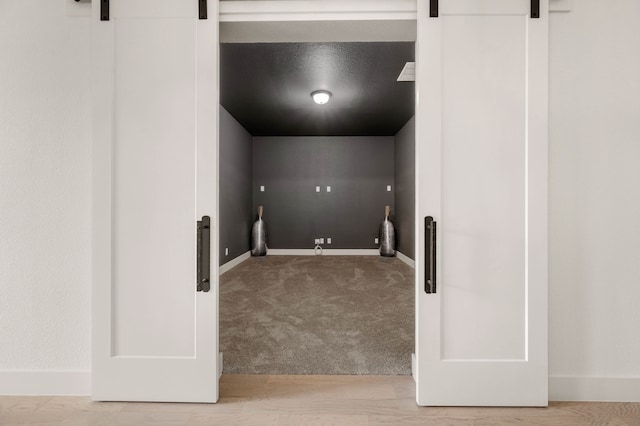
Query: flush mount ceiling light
{"type": "Point", "coordinates": [321, 97]}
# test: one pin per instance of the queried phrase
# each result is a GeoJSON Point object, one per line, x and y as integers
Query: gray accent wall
{"type": "Point", "coordinates": [358, 169]}
{"type": "Point", "coordinates": [235, 187]}
{"type": "Point", "coordinates": [405, 201]}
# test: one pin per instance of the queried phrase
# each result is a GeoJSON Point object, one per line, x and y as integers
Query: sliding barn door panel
{"type": "Point", "coordinates": [155, 167]}
{"type": "Point", "coordinates": [482, 174]}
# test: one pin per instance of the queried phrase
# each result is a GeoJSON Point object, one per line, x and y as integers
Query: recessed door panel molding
{"type": "Point", "coordinates": [483, 187]}
{"type": "Point", "coordinates": [155, 169]}
{"type": "Point", "coordinates": [481, 162]}
{"type": "Point", "coordinates": [150, 177]}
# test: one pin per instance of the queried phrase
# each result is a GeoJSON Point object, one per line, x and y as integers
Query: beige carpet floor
{"type": "Point", "coordinates": [317, 315]}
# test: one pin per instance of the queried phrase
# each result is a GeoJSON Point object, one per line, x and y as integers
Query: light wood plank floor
{"type": "Point", "coordinates": [306, 400]}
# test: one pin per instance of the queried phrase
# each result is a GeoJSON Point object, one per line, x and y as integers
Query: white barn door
{"type": "Point", "coordinates": [155, 112]}
{"type": "Point", "coordinates": [481, 153]}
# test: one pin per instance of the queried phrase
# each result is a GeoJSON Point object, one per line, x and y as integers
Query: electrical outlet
{"type": "Point", "coordinates": [328, 240]}
{"type": "Point", "coordinates": [321, 240]}
{"type": "Point", "coordinates": [376, 240]}
{"type": "Point", "coordinates": [261, 188]}
{"type": "Point", "coordinates": [328, 189]}
{"type": "Point", "coordinates": [317, 189]}
{"type": "Point", "coordinates": [226, 251]}
{"type": "Point", "coordinates": [317, 241]}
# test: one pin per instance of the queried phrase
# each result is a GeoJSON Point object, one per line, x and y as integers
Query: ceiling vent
{"type": "Point", "coordinates": [408, 73]}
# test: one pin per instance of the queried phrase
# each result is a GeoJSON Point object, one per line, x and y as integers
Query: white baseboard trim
{"type": "Point", "coordinates": [233, 263]}
{"type": "Point", "coordinates": [413, 366]}
{"type": "Point", "coordinates": [561, 388]}
{"type": "Point", "coordinates": [406, 259]}
{"type": "Point", "coordinates": [325, 252]}
{"type": "Point", "coordinates": [45, 382]}
{"type": "Point", "coordinates": [564, 388]}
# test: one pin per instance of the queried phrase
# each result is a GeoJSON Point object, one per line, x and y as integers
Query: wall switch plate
{"type": "Point", "coordinates": [317, 189]}
{"type": "Point", "coordinates": [328, 189]}
{"type": "Point", "coordinates": [321, 240]}
{"type": "Point", "coordinates": [388, 188]}
{"type": "Point", "coordinates": [317, 241]}
{"type": "Point", "coordinates": [261, 188]}
{"type": "Point", "coordinates": [226, 251]}
{"type": "Point", "coordinates": [376, 240]}
{"type": "Point", "coordinates": [328, 240]}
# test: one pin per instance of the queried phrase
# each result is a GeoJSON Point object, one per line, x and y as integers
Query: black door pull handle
{"type": "Point", "coordinates": [203, 275]}
{"type": "Point", "coordinates": [429, 255]}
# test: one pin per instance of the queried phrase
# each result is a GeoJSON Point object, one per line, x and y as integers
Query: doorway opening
{"type": "Point", "coordinates": [323, 174]}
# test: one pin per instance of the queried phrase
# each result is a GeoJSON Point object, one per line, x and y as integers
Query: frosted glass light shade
{"type": "Point", "coordinates": [321, 97]}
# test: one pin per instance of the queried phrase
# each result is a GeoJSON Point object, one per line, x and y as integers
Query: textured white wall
{"type": "Point", "coordinates": [594, 253]}
{"type": "Point", "coordinates": [45, 187]}
{"type": "Point", "coordinates": [45, 176]}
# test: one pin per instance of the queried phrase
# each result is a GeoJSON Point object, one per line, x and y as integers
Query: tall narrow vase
{"type": "Point", "coordinates": [259, 236]}
{"type": "Point", "coordinates": [387, 235]}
